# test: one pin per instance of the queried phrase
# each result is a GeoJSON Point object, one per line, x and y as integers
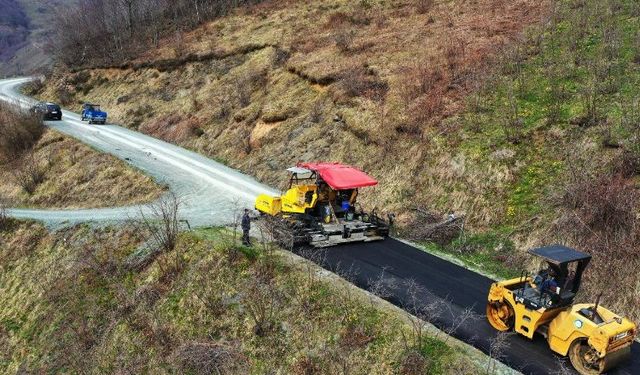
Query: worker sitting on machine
{"type": "Point", "coordinates": [318, 208]}
{"type": "Point", "coordinates": [546, 286]}
{"type": "Point", "coordinates": [550, 287]}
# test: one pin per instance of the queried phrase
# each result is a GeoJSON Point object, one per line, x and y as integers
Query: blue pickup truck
{"type": "Point", "coordinates": [93, 114]}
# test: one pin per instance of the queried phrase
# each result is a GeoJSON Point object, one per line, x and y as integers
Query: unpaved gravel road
{"type": "Point", "coordinates": [209, 191]}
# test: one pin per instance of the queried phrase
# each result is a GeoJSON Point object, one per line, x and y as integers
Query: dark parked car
{"type": "Point", "coordinates": [48, 111]}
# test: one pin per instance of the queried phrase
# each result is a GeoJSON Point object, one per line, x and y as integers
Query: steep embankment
{"type": "Point", "coordinates": [522, 115]}
{"type": "Point", "coordinates": [60, 172]}
{"type": "Point", "coordinates": [72, 301]}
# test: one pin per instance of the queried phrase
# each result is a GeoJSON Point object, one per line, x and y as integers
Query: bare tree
{"type": "Point", "coordinates": [419, 313]}
{"type": "Point", "coordinates": [497, 350]}
{"type": "Point", "coordinates": [208, 277]}
{"type": "Point", "coordinates": [512, 123]}
{"type": "Point", "coordinates": [4, 217]}
{"type": "Point", "coordinates": [262, 302]}
{"type": "Point", "coordinates": [380, 287]}
{"type": "Point", "coordinates": [630, 121]}
{"type": "Point", "coordinates": [29, 173]}
{"type": "Point", "coordinates": [201, 357]}
{"type": "Point", "coordinates": [459, 319]}
{"type": "Point", "coordinates": [237, 217]}
{"type": "Point", "coordinates": [126, 27]}
{"type": "Point", "coordinates": [160, 220]}
{"type": "Point", "coordinates": [19, 131]}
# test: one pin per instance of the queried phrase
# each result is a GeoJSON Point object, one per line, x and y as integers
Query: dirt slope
{"type": "Point", "coordinates": [75, 176]}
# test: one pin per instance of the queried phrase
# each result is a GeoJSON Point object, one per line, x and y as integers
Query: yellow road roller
{"type": "Point", "coordinates": [594, 338]}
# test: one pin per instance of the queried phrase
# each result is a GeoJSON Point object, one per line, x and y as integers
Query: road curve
{"type": "Point", "coordinates": [208, 190]}
{"type": "Point", "coordinates": [407, 276]}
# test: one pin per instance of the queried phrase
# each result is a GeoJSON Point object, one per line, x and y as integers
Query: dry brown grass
{"type": "Point", "coordinates": [73, 305]}
{"type": "Point", "coordinates": [19, 130]}
{"type": "Point", "coordinates": [599, 216]}
{"type": "Point", "coordinates": [62, 173]}
{"type": "Point", "coordinates": [210, 358]}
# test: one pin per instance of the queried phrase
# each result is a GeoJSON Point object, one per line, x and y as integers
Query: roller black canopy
{"type": "Point", "coordinates": [558, 254]}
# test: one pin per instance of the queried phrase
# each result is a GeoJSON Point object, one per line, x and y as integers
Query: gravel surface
{"type": "Point", "coordinates": [209, 191]}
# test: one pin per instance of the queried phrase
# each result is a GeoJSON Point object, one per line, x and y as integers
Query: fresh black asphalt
{"type": "Point", "coordinates": [420, 282]}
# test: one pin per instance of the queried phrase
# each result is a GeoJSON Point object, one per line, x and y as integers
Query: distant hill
{"type": "Point", "coordinates": [14, 28]}
{"type": "Point", "coordinates": [24, 29]}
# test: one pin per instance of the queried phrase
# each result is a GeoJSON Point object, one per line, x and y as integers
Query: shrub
{"type": "Point", "coordinates": [420, 78]}
{"type": "Point", "coordinates": [600, 217]}
{"type": "Point", "coordinates": [433, 227]}
{"type": "Point", "coordinates": [160, 219]}
{"type": "Point", "coordinates": [426, 109]}
{"type": "Point", "coordinates": [306, 366]}
{"type": "Point", "coordinates": [342, 19]}
{"type": "Point", "coordinates": [605, 203]}
{"type": "Point", "coordinates": [19, 131]}
{"type": "Point", "coordinates": [196, 357]}
{"type": "Point", "coordinates": [79, 78]}
{"type": "Point", "coordinates": [424, 6]}
{"type": "Point", "coordinates": [359, 81]}
{"type": "Point", "coordinates": [413, 362]}
{"type": "Point", "coordinates": [33, 87]}
{"type": "Point", "coordinates": [29, 173]}
{"type": "Point", "coordinates": [344, 40]}
{"type": "Point", "coordinates": [65, 97]}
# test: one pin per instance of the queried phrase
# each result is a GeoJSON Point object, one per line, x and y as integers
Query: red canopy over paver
{"type": "Point", "coordinates": [339, 176]}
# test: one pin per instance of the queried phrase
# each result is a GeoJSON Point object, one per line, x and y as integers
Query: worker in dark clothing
{"type": "Point", "coordinates": [246, 226]}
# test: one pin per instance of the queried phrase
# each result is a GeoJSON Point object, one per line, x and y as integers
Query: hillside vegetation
{"type": "Point", "coordinates": [521, 115]}
{"type": "Point", "coordinates": [76, 301]}
{"type": "Point", "coordinates": [40, 167]}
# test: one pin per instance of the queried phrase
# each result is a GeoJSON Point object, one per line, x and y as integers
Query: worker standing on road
{"type": "Point", "coordinates": [246, 226]}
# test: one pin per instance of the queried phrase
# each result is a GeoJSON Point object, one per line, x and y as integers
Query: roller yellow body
{"type": "Point", "coordinates": [594, 338]}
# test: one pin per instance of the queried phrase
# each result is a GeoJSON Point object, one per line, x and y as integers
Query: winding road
{"type": "Point", "coordinates": [209, 191]}
{"type": "Point", "coordinates": [406, 276]}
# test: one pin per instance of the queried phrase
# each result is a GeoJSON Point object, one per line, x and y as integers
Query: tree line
{"type": "Point", "coordinates": [103, 32]}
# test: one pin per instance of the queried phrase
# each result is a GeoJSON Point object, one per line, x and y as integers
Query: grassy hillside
{"type": "Point", "coordinates": [72, 302]}
{"type": "Point", "coordinates": [557, 131]}
{"type": "Point", "coordinates": [71, 175]}
{"type": "Point", "coordinates": [521, 115]}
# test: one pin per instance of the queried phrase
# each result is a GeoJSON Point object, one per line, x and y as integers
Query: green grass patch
{"type": "Point", "coordinates": [488, 251]}
{"type": "Point", "coordinates": [438, 352]}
